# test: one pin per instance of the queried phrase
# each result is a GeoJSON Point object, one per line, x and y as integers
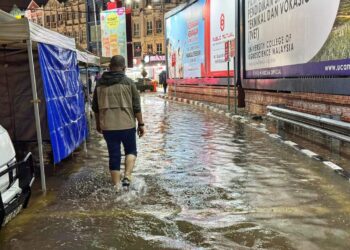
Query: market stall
{"type": "Point", "coordinates": [40, 70]}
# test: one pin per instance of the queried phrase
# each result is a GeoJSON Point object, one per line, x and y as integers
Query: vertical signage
{"type": "Point", "coordinates": [113, 33]}
{"type": "Point", "coordinates": [232, 48]}
{"type": "Point", "coordinates": [222, 30]}
{"type": "Point", "coordinates": [227, 51]}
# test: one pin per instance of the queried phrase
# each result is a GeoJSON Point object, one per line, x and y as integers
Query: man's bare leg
{"type": "Point", "coordinates": [115, 177]}
{"type": "Point", "coordinates": [129, 165]}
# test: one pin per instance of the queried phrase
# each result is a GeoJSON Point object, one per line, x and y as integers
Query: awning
{"type": "Point", "coordinates": [88, 58]}
{"type": "Point", "coordinates": [15, 31]}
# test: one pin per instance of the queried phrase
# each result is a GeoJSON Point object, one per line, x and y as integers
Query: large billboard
{"type": "Point", "coordinates": [196, 38]}
{"type": "Point", "coordinates": [222, 25]}
{"type": "Point", "coordinates": [185, 42]}
{"type": "Point", "coordinates": [297, 38]}
{"type": "Point", "coordinates": [113, 33]}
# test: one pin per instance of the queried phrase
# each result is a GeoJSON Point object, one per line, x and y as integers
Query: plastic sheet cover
{"type": "Point", "coordinates": [64, 99]}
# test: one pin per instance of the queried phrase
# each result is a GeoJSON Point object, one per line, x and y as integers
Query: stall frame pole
{"type": "Point", "coordinates": [36, 114]}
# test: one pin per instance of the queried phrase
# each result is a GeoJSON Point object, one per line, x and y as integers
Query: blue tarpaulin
{"type": "Point", "coordinates": [64, 99]}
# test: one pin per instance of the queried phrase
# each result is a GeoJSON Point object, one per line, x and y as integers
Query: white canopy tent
{"type": "Point", "coordinates": [22, 33]}
{"type": "Point", "coordinates": [16, 31]}
{"type": "Point", "coordinates": [88, 58]}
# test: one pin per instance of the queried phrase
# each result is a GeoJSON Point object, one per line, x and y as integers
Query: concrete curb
{"type": "Point", "coordinates": [261, 127]}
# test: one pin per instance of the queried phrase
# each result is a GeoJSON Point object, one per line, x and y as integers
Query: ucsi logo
{"type": "Point", "coordinates": [222, 22]}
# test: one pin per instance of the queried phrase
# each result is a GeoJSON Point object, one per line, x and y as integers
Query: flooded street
{"type": "Point", "coordinates": [202, 181]}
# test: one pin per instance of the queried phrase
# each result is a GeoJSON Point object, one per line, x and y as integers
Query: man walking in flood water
{"type": "Point", "coordinates": [116, 104]}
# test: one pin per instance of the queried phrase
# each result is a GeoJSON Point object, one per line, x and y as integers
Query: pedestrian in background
{"type": "Point", "coordinates": [116, 103]}
{"type": "Point", "coordinates": [90, 84]}
{"type": "Point", "coordinates": [162, 80]}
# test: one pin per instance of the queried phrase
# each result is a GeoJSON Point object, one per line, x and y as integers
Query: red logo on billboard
{"type": "Point", "coordinates": [222, 22]}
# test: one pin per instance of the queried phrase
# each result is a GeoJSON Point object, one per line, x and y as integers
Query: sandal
{"type": "Point", "coordinates": [126, 182]}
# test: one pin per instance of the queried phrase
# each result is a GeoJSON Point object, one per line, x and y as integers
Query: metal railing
{"type": "Point", "coordinates": [330, 127]}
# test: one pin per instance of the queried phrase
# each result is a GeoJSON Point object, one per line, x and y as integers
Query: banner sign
{"type": "Point", "coordinates": [196, 38]}
{"type": "Point", "coordinates": [154, 58]}
{"type": "Point", "coordinates": [232, 48]}
{"type": "Point", "coordinates": [227, 51]}
{"type": "Point", "coordinates": [113, 33]}
{"type": "Point", "coordinates": [185, 42]}
{"type": "Point", "coordinates": [297, 38]}
{"type": "Point", "coordinates": [222, 29]}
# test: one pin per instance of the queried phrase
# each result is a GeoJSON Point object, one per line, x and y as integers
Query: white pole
{"type": "Point", "coordinates": [37, 114]}
{"type": "Point", "coordinates": [88, 94]}
{"type": "Point", "coordinates": [88, 103]}
{"type": "Point", "coordinates": [85, 147]}
{"type": "Point", "coordinates": [96, 30]}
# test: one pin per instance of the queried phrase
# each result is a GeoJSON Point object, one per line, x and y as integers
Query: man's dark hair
{"type": "Point", "coordinates": [117, 61]}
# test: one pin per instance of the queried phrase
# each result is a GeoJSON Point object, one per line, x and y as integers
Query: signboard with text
{"type": "Point", "coordinates": [185, 42]}
{"type": "Point", "coordinates": [227, 51]}
{"type": "Point", "coordinates": [297, 38]}
{"type": "Point", "coordinates": [154, 58]}
{"type": "Point", "coordinates": [222, 29]}
{"type": "Point", "coordinates": [113, 33]}
{"type": "Point", "coordinates": [196, 38]}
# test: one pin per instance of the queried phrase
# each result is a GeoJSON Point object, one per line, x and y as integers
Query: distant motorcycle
{"type": "Point", "coordinates": [16, 179]}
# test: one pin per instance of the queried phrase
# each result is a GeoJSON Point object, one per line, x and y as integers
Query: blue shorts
{"type": "Point", "coordinates": [114, 138]}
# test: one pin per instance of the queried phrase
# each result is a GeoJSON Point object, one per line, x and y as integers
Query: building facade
{"type": "Point", "coordinates": [35, 13]}
{"type": "Point", "coordinates": [148, 26]}
{"type": "Point", "coordinates": [76, 19]}
{"type": "Point", "coordinates": [65, 17]}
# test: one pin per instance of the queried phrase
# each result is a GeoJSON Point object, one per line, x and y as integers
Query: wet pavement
{"type": "Point", "coordinates": [202, 181]}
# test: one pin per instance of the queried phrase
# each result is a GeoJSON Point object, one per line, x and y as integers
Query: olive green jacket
{"type": "Point", "coordinates": [116, 100]}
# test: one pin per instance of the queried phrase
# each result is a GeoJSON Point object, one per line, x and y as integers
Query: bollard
{"type": "Point", "coordinates": [154, 86]}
